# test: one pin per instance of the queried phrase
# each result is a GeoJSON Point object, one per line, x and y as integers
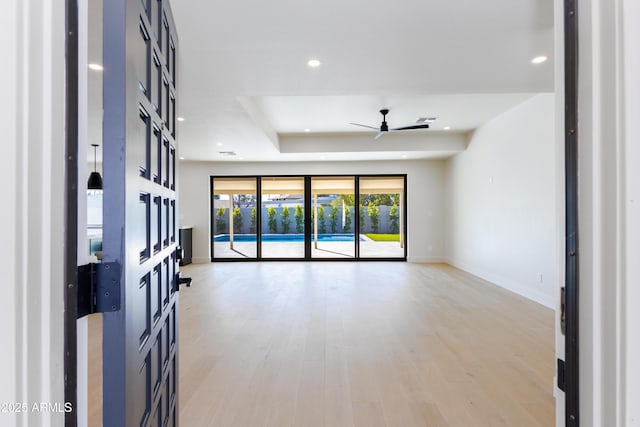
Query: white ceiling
{"type": "Point", "coordinates": [244, 82]}
{"type": "Point", "coordinates": [460, 112]}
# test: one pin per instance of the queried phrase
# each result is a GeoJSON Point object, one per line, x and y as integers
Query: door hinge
{"type": "Point", "coordinates": [561, 374]}
{"type": "Point", "coordinates": [98, 288]}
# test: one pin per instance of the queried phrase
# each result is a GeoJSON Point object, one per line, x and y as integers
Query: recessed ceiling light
{"type": "Point", "coordinates": [539, 59]}
{"type": "Point", "coordinates": [404, 156]}
{"type": "Point", "coordinates": [313, 63]}
{"type": "Point", "coordinates": [95, 67]}
{"type": "Point", "coordinates": [447, 127]}
{"type": "Point", "coordinates": [181, 158]}
{"type": "Point", "coordinates": [307, 130]}
{"type": "Point", "coordinates": [241, 158]}
{"type": "Point", "coordinates": [180, 119]}
{"type": "Point", "coordinates": [219, 144]}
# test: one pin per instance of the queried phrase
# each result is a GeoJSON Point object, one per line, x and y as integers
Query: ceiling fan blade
{"type": "Point", "coordinates": [378, 135]}
{"type": "Point", "coordinates": [424, 126]}
{"type": "Point", "coordinates": [426, 120]}
{"type": "Point", "coordinates": [364, 126]}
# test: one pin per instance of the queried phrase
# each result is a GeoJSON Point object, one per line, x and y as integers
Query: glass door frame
{"type": "Point", "coordinates": [313, 219]}
{"type": "Point", "coordinates": [308, 235]}
{"type": "Point", "coordinates": [213, 219]}
{"type": "Point", "coordinates": [403, 216]}
{"type": "Point", "coordinates": [307, 223]}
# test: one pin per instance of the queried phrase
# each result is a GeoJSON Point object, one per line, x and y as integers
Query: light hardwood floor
{"type": "Point", "coordinates": [360, 344]}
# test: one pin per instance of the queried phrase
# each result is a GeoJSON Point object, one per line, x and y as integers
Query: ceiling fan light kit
{"type": "Point", "coordinates": [421, 123]}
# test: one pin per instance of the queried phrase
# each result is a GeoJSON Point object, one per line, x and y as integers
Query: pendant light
{"type": "Point", "coordinates": [95, 180]}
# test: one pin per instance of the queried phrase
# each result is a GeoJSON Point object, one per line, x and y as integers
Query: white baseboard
{"type": "Point", "coordinates": [426, 259]}
{"type": "Point", "coordinates": [508, 284]}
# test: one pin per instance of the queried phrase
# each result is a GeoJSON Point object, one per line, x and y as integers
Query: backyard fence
{"type": "Point", "coordinates": [289, 220]}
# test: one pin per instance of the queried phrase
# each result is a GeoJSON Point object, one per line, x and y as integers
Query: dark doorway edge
{"type": "Point", "coordinates": [572, 391]}
{"type": "Point", "coordinates": [71, 212]}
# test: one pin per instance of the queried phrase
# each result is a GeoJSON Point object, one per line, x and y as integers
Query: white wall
{"type": "Point", "coordinates": [32, 176]}
{"type": "Point", "coordinates": [425, 197]}
{"type": "Point", "coordinates": [502, 205]}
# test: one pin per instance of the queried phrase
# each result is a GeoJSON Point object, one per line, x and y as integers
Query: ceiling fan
{"type": "Point", "coordinates": [421, 123]}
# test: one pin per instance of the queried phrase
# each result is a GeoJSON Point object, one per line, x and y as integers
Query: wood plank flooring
{"type": "Point", "coordinates": [360, 344]}
{"type": "Point", "coordinates": [355, 344]}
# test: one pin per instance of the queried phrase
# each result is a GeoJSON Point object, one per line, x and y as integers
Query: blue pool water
{"type": "Point", "coordinates": [284, 238]}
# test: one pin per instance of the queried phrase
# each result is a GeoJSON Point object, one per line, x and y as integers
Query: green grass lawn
{"type": "Point", "coordinates": [383, 237]}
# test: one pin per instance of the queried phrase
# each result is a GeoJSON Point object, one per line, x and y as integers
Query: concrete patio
{"type": "Point", "coordinates": [368, 249]}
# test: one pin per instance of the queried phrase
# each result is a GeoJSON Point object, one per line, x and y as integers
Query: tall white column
{"type": "Point", "coordinates": [32, 116]}
{"type": "Point", "coordinates": [631, 250]}
{"type": "Point", "coordinates": [608, 189]}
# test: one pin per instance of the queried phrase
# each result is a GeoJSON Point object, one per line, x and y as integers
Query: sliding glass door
{"type": "Point", "coordinates": [333, 210]}
{"type": "Point", "coordinates": [234, 218]}
{"type": "Point", "coordinates": [309, 217]}
{"type": "Point", "coordinates": [282, 206]}
{"type": "Point", "coordinates": [381, 215]}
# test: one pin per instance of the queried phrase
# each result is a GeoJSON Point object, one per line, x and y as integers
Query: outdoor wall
{"type": "Point", "coordinates": [425, 197]}
{"type": "Point", "coordinates": [502, 204]}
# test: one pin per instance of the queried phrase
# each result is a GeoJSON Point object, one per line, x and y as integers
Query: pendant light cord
{"type": "Point", "coordinates": [95, 161]}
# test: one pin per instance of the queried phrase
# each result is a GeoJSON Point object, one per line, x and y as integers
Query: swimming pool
{"type": "Point", "coordinates": [285, 238]}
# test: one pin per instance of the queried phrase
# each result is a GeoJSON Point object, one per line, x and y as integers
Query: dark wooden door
{"type": "Point", "coordinates": [140, 341]}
